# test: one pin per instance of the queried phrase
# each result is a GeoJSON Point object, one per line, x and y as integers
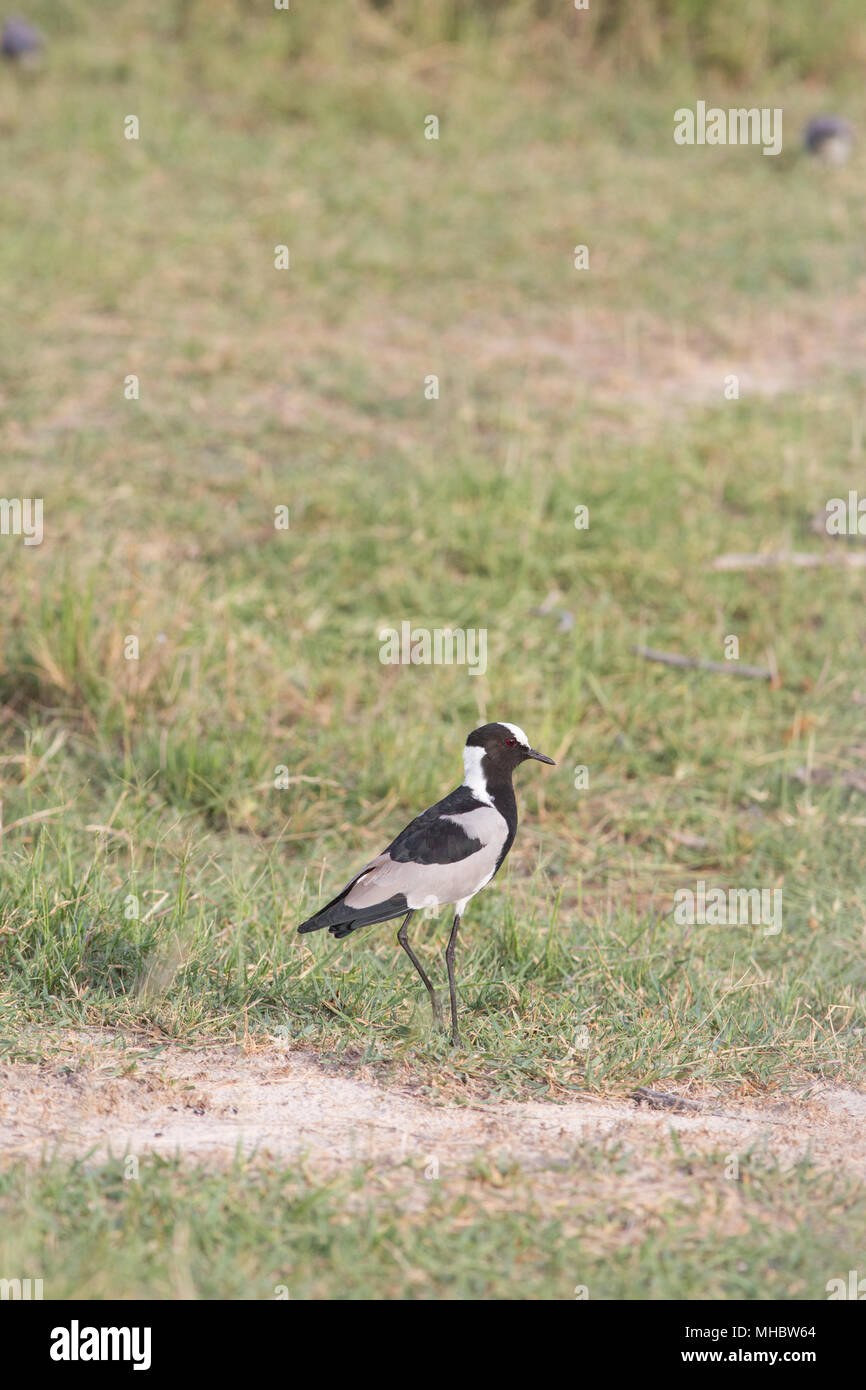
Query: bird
{"type": "Point", "coordinates": [20, 42]}
{"type": "Point", "coordinates": [829, 138]}
{"type": "Point", "coordinates": [444, 856]}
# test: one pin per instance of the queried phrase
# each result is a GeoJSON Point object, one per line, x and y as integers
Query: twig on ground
{"type": "Point", "coordinates": [855, 781]}
{"type": "Point", "coordinates": [662, 1100]}
{"type": "Point", "coordinates": [720, 668]}
{"type": "Point", "coordinates": [798, 559]}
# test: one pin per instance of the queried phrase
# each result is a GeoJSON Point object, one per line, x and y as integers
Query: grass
{"type": "Point", "coordinates": [254, 1233]}
{"type": "Point", "coordinates": [690, 776]}
{"type": "Point", "coordinates": [152, 872]}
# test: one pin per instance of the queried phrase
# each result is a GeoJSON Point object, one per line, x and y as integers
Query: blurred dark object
{"type": "Point", "coordinates": [20, 42]}
{"type": "Point", "coordinates": [829, 138]}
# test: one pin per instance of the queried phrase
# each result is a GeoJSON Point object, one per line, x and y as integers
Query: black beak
{"type": "Point", "coordinates": [540, 757]}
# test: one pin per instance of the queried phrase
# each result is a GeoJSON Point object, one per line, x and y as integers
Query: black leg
{"type": "Point", "coordinates": [449, 958]}
{"type": "Point", "coordinates": [404, 942]}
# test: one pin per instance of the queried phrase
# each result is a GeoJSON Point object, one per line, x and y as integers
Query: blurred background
{"type": "Point", "coordinates": [258, 648]}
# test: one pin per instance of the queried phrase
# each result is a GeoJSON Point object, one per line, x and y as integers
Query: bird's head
{"type": "Point", "coordinates": [497, 749]}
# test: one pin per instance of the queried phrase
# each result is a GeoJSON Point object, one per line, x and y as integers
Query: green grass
{"type": "Point", "coordinates": [259, 648]}
{"type": "Point", "coordinates": [250, 1233]}
{"type": "Point", "coordinates": [177, 755]}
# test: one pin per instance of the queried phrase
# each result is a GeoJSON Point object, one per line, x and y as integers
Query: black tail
{"type": "Point", "coordinates": [340, 919]}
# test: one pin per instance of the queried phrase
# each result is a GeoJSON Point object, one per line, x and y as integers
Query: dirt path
{"type": "Point", "coordinates": [208, 1104]}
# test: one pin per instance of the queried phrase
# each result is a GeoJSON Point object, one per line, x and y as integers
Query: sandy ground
{"type": "Point", "coordinates": [208, 1104]}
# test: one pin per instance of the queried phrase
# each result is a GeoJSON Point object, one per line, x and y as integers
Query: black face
{"type": "Point", "coordinates": [504, 751]}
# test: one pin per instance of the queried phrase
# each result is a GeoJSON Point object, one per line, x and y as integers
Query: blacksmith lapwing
{"type": "Point", "coordinates": [829, 138]}
{"type": "Point", "coordinates": [446, 855]}
{"type": "Point", "coordinates": [20, 42]}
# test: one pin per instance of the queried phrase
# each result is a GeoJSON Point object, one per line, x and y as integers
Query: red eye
{"type": "Point", "coordinates": [510, 742]}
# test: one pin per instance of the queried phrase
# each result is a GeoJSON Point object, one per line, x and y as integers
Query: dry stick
{"type": "Point", "coordinates": [36, 816]}
{"type": "Point", "coordinates": [800, 559]}
{"type": "Point", "coordinates": [720, 668]}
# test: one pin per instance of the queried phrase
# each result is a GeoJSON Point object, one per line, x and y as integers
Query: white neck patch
{"type": "Point", "coordinates": [474, 778]}
{"type": "Point", "coordinates": [518, 733]}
